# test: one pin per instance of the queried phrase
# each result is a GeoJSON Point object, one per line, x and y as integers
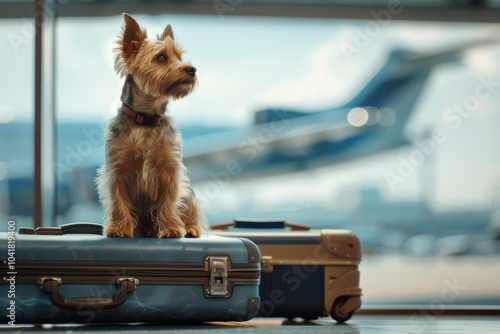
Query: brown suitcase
{"type": "Point", "coordinates": [305, 273]}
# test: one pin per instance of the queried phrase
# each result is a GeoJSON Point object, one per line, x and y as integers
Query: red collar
{"type": "Point", "coordinates": [140, 117]}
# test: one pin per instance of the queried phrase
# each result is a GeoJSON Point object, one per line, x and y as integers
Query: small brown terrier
{"type": "Point", "coordinates": [143, 186]}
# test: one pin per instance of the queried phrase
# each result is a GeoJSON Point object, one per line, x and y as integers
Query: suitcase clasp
{"type": "Point", "coordinates": [267, 264]}
{"type": "Point", "coordinates": [218, 266]}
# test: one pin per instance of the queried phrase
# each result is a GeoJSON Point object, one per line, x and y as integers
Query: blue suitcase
{"type": "Point", "coordinates": [72, 277]}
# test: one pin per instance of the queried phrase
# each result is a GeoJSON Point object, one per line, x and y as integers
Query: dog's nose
{"type": "Point", "coordinates": [191, 70]}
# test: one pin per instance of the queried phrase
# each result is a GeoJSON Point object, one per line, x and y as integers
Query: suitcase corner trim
{"type": "Point", "coordinates": [253, 251]}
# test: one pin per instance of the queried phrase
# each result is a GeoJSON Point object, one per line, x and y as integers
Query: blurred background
{"type": "Point", "coordinates": [382, 120]}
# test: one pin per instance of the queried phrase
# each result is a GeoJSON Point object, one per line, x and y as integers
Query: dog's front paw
{"type": "Point", "coordinates": [193, 231]}
{"type": "Point", "coordinates": [119, 234]}
{"type": "Point", "coordinates": [177, 232]}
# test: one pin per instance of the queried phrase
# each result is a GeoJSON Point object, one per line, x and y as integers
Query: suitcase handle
{"type": "Point", "coordinates": [72, 228]}
{"type": "Point", "coordinates": [260, 223]}
{"type": "Point", "coordinates": [50, 285]}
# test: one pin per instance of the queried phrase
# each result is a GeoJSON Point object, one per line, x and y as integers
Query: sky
{"type": "Point", "coordinates": [245, 64]}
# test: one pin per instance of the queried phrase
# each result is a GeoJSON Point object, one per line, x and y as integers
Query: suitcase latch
{"type": "Point", "coordinates": [218, 276]}
{"type": "Point", "coordinates": [267, 264]}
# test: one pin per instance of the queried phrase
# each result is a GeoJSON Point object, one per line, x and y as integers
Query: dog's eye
{"type": "Point", "coordinates": [161, 58]}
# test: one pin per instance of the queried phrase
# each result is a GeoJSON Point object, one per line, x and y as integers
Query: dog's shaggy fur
{"type": "Point", "coordinates": [143, 186]}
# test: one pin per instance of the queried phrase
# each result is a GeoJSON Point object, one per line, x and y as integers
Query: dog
{"type": "Point", "coordinates": [143, 186]}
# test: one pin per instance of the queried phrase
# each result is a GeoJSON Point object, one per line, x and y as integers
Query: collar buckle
{"type": "Point", "coordinates": [139, 119]}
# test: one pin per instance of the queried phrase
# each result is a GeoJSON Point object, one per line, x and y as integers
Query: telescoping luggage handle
{"type": "Point", "coordinates": [260, 223]}
{"type": "Point", "coordinates": [50, 285]}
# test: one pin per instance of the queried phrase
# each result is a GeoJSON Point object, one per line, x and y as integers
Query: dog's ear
{"type": "Point", "coordinates": [167, 32]}
{"type": "Point", "coordinates": [132, 37]}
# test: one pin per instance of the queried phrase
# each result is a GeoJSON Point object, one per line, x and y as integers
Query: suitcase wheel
{"type": "Point", "coordinates": [338, 313]}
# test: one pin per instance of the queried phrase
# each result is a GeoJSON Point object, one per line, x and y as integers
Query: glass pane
{"type": "Point", "coordinates": [389, 131]}
{"type": "Point", "coordinates": [17, 38]}
{"type": "Point", "coordinates": [87, 91]}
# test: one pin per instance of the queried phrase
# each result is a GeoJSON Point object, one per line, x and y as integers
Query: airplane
{"type": "Point", "coordinates": [283, 140]}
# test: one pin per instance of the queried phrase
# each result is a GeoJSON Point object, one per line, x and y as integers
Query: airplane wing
{"type": "Point", "coordinates": [285, 141]}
